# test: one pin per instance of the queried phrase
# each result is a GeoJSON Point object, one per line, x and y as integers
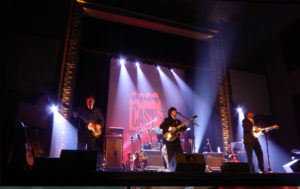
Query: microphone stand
{"type": "Point", "coordinates": [267, 145]}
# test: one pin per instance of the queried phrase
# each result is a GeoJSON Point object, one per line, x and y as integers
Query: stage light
{"type": "Point", "coordinates": [172, 70]}
{"type": "Point", "coordinates": [239, 110]}
{"type": "Point", "coordinates": [64, 134]}
{"type": "Point", "coordinates": [158, 67]}
{"type": "Point", "coordinates": [122, 61]}
{"type": "Point", "coordinates": [137, 64]}
{"type": "Point", "coordinates": [54, 108]}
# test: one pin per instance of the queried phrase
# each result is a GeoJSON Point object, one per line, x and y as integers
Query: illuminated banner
{"type": "Point", "coordinates": [144, 111]}
{"type": "Point", "coordinates": [138, 100]}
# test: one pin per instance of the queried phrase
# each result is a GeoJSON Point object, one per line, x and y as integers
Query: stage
{"type": "Point", "coordinates": [61, 177]}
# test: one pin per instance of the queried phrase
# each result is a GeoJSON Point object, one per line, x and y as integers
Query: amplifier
{"type": "Point", "coordinates": [114, 151]}
{"type": "Point", "coordinates": [155, 159]}
{"type": "Point", "coordinates": [115, 131]}
{"type": "Point", "coordinates": [214, 160]}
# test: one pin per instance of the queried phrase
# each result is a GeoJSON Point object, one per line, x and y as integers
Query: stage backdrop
{"type": "Point", "coordinates": [139, 98]}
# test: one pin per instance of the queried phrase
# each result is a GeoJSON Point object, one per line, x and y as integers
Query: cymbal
{"type": "Point", "coordinates": [157, 130]}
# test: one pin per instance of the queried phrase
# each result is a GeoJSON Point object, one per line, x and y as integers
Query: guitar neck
{"type": "Point", "coordinates": [179, 126]}
{"type": "Point", "coordinates": [182, 124]}
{"type": "Point", "coordinates": [150, 138]}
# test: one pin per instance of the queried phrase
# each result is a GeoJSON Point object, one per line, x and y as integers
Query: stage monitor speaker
{"type": "Point", "coordinates": [214, 160]}
{"type": "Point", "coordinates": [114, 152]}
{"type": "Point", "coordinates": [79, 160]}
{"type": "Point", "coordinates": [230, 167]}
{"type": "Point", "coordinates": [187, 163]}
{"type": "Point", "coordinates": [155, 159]}
{"type": "Point", "coordinates": [47, 165]}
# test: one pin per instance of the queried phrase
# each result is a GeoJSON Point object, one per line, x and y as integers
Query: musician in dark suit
{"type": "Point", "coordinates": [85, 114]}
{"type": "Point", "coordinates": [169, 124]}
{"type": "Point", "coordinates": [251, 142]}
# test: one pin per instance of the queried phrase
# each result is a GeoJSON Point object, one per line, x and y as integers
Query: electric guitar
{"type": "Point", "coordinates": [172, 135]}
{"type": "Point", "coordinates": [91, 125]}
{"type": "Point", "coordinates": [233, 157]}
{"type": "Point", "coordinates": [140, 161]}
{"type": "Point", "coordinates": [257, 131]}
{"type": "Point", "coordinates": [129, 164]}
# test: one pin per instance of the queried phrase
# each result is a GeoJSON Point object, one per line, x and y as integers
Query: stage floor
{"type": "Point", "coordinates": [88, 178]}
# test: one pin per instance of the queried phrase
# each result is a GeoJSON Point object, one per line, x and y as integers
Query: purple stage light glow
{"type": "Point", "coordinates": [64, 135]}
{"type": "Point", "coordinates": [240, 111]}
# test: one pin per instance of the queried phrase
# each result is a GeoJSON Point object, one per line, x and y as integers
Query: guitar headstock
{"type": "Point", "coordinates": [275, 126]}
{"type": "Point", "coordinates": [194, 116]}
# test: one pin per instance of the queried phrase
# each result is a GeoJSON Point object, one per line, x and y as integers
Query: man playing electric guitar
{"type": "Point", "coordinates": [251, 142]}
{"type": "Point", "coordinates": [90, 122]}
{"type": "Point", "coordinates": [169, 124]}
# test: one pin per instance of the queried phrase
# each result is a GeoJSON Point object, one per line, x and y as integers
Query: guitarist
{"type": "Point", "coordinates": [169, 124]}
{"type": "Point", "coordinates": [251, 142]}
{"type": "Point", "coordinates": [89, 113]}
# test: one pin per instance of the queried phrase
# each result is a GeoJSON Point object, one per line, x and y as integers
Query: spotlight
{"type": "Point", "coordinates": [158, 67]}
{"type": "Point", "coordinates": [122, 61]}
{"type": "Point", "coordinates": [172, 70]}
{"type": "Point", "coordinates": [54, 108]}
{"type": "Point", "coordinates": [137, 64]}
{"type": "Point", "coordinates": [239, 110]}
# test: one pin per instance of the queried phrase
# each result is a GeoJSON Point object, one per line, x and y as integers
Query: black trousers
{"type": "Point", "coordinates": [173, 147]}
{"type": "Point", "coordinates": [259, 154]}
{"type": "Point", "coordinates": [86, 139]}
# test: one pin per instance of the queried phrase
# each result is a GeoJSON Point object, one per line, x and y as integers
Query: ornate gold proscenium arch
{"type": "Point", "coordinates": [70, 60]}
{"type": "Point", "coordinates": [222, 94]}
{"type": "Point", "coordinates": [72, 45]}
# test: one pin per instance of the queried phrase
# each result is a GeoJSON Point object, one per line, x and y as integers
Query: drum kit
{"type": "Point", "coordinates": [154, 145]}
{"type": "Point", "coordinates": [140, 160]}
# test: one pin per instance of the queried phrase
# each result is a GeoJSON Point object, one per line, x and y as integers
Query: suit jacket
{"type": "Point", "coordinates": [94, 115]}
{"type": "Point", "coordinates": [170, 122]}
{"type": "Point", "coordinates": [248, 135]}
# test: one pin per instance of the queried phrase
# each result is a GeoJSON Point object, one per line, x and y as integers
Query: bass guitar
{"type": "Point", "coordinates": [257, 131]}
{"type": "Point", "coordinates": [95, 128]}
{"type": "Point", "coordinates": [140, 161]}
{"type": "Point", "coordinates": [172, 135]}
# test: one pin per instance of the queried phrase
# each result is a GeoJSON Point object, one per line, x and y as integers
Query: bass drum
{"type": "Point", "coordinates": [146, 146]}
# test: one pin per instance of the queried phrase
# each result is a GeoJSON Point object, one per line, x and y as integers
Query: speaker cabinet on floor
{"type": "Point", "coordinates": [48, 165]}
{"type": "Point", "coordinates": [79, 160]}
{"type": "Point", "coordinates": [187, 163]}
{"type": "Point", "coordinates": [230, 167]}
{"type": "Point", "coordinates": [114, 151]}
